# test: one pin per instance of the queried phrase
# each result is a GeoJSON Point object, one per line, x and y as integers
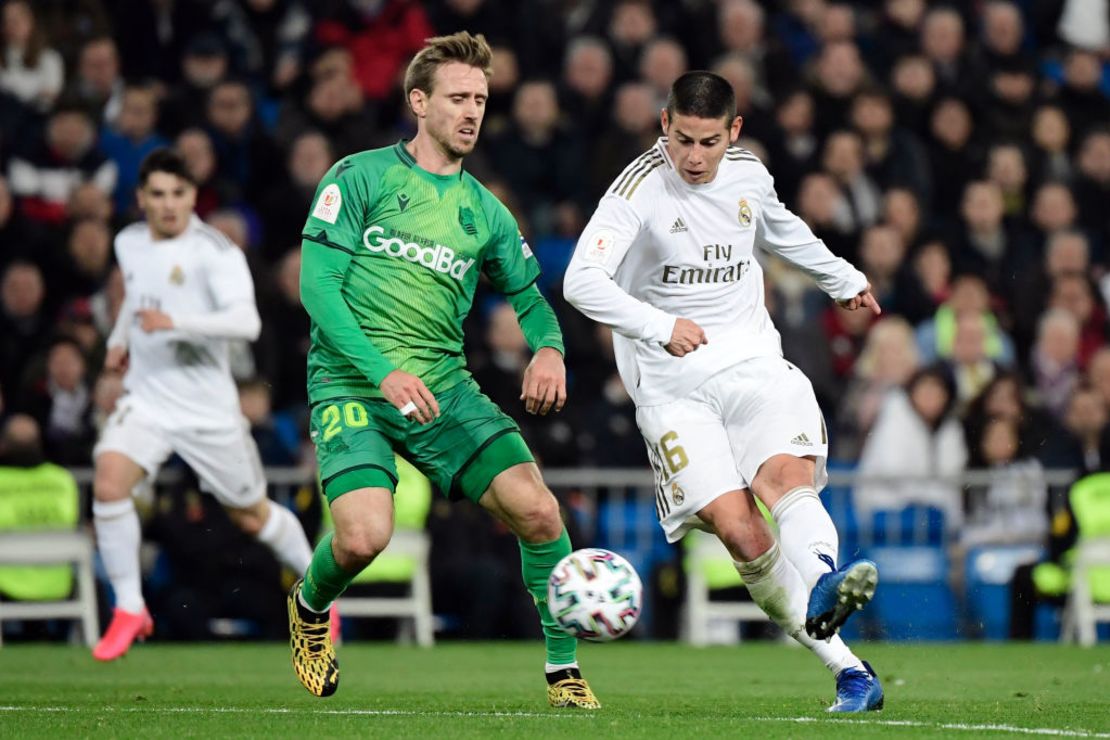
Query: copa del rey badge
{"type": "Point", "coordinates": [328, 205]}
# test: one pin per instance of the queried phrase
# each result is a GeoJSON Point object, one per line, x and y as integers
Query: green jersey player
{"type": "Point", "coordinates": [393, 249]}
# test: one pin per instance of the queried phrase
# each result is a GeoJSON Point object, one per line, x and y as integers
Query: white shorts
{"type": "Point", "coordinates": [714, 440]}
{"type": "Point", "coordinates": [224, 458]}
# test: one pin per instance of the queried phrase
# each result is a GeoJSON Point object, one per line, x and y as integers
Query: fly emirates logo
{"type": "Point", "coordinates": [434, 256]}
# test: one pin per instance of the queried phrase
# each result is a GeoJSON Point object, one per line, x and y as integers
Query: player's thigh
{"type": "Point", "coordinates": [690, 455]}
{"type": "Point", "coordinates": [131, 447]}
{"type": "Point", "coordinates": [226, 461]}
{"type": "Point", "coordinates": [363, 520]}
{"type": "Point", "coordinates": [354, 445]}
{"type": "Point", "coordinates": [518, 497]}
{"type": "Point", "coordinates": [771, 410]}
{"type": "Point", "coordinates": [468, 446]}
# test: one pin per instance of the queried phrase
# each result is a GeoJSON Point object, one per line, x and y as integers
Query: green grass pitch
{"type": "Point", "coordinates": [495, 689]}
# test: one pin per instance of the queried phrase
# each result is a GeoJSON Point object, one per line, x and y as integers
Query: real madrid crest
{"type": "Point", "coordinates": [744, 216]}
{"type": "Point", "coordinates": [177, 275]}
{"type": "Point", "coordinates": [677, 494]}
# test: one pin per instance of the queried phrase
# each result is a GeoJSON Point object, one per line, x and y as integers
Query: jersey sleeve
{"type": "Point", "coordinates": [229, 277]}
{"type": "Point", "coordinates": [508, 260]}
{"type": "Point", "coordinates": [339, 208]}
{"type": "Point", "coordinates": [589, 286]}
{"type": "Point", "coordinates": [782, 232]}
{"type": "Point", "coordinates": [231, 289]}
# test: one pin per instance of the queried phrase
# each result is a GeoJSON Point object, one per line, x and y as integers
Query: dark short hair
{"type": "Point", "coordinates": [703, 95]}
{"type": "Point", "coordinates": [164, 160]}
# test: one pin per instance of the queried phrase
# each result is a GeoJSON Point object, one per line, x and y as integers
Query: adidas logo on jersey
{"type": "Point", "coordinates": [438, 258]}
{"type": "Point", "coordinates": [801, 440]}
{"type": "Point", "coordinates": [679, 226]}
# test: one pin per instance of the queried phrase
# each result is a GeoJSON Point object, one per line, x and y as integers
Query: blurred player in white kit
{"type": "Point", "coordinates": [188, 292]}
{"type": "Point", "coordinates": [668, 262]}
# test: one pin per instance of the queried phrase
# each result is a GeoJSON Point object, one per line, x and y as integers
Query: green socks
{"type": "Point", "coordinates": [536, 564]}
{"type": "Point", "coordinates": [325, 580]}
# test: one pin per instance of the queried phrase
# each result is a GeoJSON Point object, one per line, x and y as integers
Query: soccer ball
{"type": "Point", "coordinates": [595, 595]}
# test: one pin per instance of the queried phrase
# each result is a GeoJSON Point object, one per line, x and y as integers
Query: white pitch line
{"type": "Point", "coordinates": [284, 710]}
{"type": "Point", "coordinates": [1053, 731]}
{"type": "Point", "coordinates": [825, 722]}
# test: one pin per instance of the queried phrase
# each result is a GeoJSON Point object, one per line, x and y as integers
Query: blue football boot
{"type": "Point", "coordinates": [838, 595]}
{"type": "Point", "coordinates": [858, 691]}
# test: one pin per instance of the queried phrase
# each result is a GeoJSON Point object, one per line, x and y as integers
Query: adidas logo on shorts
{"type": "Point", "coordinates": [801, 440]}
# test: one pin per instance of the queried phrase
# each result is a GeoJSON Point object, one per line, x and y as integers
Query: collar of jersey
{"type": "Point", "coordinates": [407, 159]}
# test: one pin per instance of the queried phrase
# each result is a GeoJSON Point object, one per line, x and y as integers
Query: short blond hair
{"type": "Point", "coordinates": [459, 47]}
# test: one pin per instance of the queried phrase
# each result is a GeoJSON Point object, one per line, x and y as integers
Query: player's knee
{"type": "Point", "coordinates": [357, 548]}
{"type": "Point", "coordinates": [108, 487]}
{"type": "Point", "coordinates": [539, 520]}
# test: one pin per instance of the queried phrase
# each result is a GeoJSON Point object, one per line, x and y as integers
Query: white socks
{"type": "Point", "coordinates": [807, 534]}
{"type": "Point", "coordinates": [777, 588]}
{"type": "Point", "coordinates": [283, 534]}
{"type": "Point", "coordinates": [118, 537]}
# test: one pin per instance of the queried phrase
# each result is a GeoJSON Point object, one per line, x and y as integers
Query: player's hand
{"type": "Point", "coordinates": [115, 361]}
{"type": "Point", "coordinates": [865, 299]}
{"type": "Point", "coordinates": [685, 338]}
{"type": "Point", "coordinates": [406, 390]}
{"type": "Point", "coordinates": [152, 320]}
{"type": "Point", "coordinates": [545, 382]}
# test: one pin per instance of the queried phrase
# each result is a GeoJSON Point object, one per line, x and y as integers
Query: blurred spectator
{"type": "Point", "coordinates": [942, 40]}
{"type": "Point", "coordinates": [1006, 169]}
{"type": "Point", "coordinates": [503, 81]}
{"type": "Point", "coordinates": [917, 447]}
{"type": "Point", "coordinates": [795, 151]}
{"type": "Point", "coordinates": [271, 36]}
{"type": "Point", "coordinates": [843, 159]}
{"type": "Point", "coordinates": [888, 360]}
{"type": "Point", "coordinates": [1051, 135]}
{"type": "Point", "coordinates": [893, 156]}
{"type": "Point", "coordinates": [662, 62]}
{"type": "Point", "coordinates": [1074, 293]}
{"type": "Point", "coordinates": [608, 436]}
{"type": "Point", "coordinates": [927, 282]}
{"type": "Point", "coordinates": [970, 364]}
{"type": "Point", "coordinates": [89, 201]}
{"type": "Point", "coordinates": [741, 29]}
{"type": "Point", "coordinates": [204, 64]}
{"type": "Point", "coordinates": [283, 346]}
{"type": "Point", "coordinates": [30, 70]}
{"type": "Point", "coordinates": [1092, 184]}
{"type": "Point", "coordinates": [1011, 509]}
{"type": "Point", "coordinates": [846, 331]}
{"type": "Point", "coordinates": [1054, 211]}
{"type": "Point", "coordinates": [1085, 104]}
{"type": "Point", "coordinates": [501, 367]}
{"type": "Point", "coordinates": [986, 245]}
{"type": "Point", "coordinates": [1098, 374]}
{"type": "Point", "coordinates": [83, 268]}
{"type": "Point", "coordinates": [335, 106]}
{"type": "Point", "coordinates": [1055, 360]}
{"type": "Point", "coordinates": [1066, 253]}
{"type": "Point", "coordinates": [255, 403]}
{"type": "Point", "coordinates": [61, 403]}
{"type": "Point", "coordinates": [896, 34]}
{"type": "Point", "coordinates": [914, 84]}
{"type": "Point", "coordinates": [1003, 30]}
{"type": "Point", "coordinates": [953, 153]}
{"type": "Point", "coordinates": [1005, 398]}
{"type": "Point", "coordinates": [539, 159]}
{"type": "Point", "coordinates": [634, 130]}
{"type": "Point", "coordinates": [751, 105]}
{"type": "Point", "coordinates": [99, 84]}
{"type": "Point", "coordinates": [24, 323]}
{"type": "Point", "coordinates": [130, 139]}
{"type": "Point", "coordinates": [631, 26]}
{"type": "Point", "coordinates": [838, 74]}
{"type": "Point", "coordinates": [43, 178]}
{"type": "Point", "coordinates": [1011, 101]}
{"type": "Point", "coordinates": [902, 212]}
{"type": "Point", "coordinates": [585, 89]}
{"type": "Point", "coordinates": [213, 191]}
{"type": "Point", "coordinates": [381, 36]}
{"type": "Point", "coordinates": [881, 254]}
{"type": "Point", "coordinates": [284, 205]}
{"type": "Point", "coordinates": [244, 152]}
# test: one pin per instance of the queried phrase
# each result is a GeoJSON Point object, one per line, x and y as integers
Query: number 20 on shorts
{"type": "Point", "coordinates": [334, 417]}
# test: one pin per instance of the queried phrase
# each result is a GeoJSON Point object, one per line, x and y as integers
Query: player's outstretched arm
{"type": "Point", "coordinates": [323, 268]}
{"type": "Point", "coordinates": [545, 379]}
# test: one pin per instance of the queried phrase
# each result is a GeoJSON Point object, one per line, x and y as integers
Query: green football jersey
{"type": "Point", "coordinates": [418, 242]}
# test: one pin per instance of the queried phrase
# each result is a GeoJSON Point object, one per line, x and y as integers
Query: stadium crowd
{"type": "Point", "coordinates": [958, 153]}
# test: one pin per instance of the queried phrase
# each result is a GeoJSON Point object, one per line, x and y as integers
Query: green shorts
{"type": "Point", "coordinates": [460, 452]}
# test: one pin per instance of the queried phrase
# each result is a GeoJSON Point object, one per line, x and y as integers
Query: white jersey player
{"type": "Point", "coordinates": [668, 261]}
{"type": "Point", "coordinates": [188, 291]}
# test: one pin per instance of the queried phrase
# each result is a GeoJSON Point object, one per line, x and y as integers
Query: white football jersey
{"type": "Point", "coordinates": [658, 249]}
{"type": "Point", "coordinates": [181, 377]}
